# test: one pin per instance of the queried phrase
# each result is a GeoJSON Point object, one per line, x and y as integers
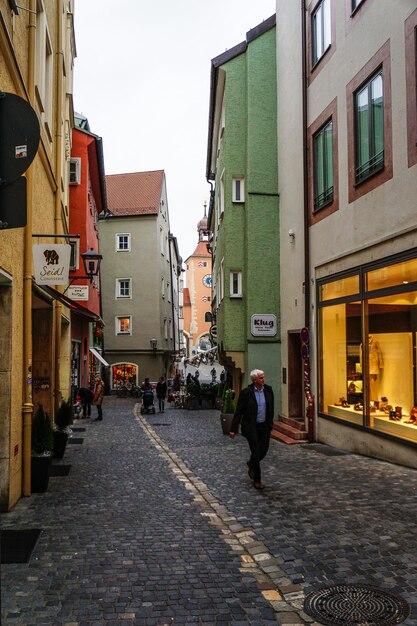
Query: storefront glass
{"type": "Point", "coordinates": [123, 374]}
{"type": "Point", "coordinates": [367, 353]}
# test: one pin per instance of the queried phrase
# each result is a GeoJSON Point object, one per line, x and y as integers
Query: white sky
{"type": "Point", "coordinates": [142, 78]}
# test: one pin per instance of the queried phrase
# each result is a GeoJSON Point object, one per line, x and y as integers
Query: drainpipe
{"type": "Point", "coordinates": [170, 240]}
{"type": "Point", "coordinates": [57, 216]}
{"type": "Point", "coordinates": [27, 408]}
{"type": "Point", "coordinates": [307, 371]}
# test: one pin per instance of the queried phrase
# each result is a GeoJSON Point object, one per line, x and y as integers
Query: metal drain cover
{"type": "Point", "coordinates": [356, 605]}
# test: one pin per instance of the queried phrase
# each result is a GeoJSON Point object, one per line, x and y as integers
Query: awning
{"type": "Point", "coordinates": [99, 357]}
{"type": "Point", "coordinates": [71, 304]}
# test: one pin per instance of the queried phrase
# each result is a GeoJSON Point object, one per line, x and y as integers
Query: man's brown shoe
{"type": "Point", "coordinates": [250, 470]}
{"type": "Point", "coordinates": [258, 485]}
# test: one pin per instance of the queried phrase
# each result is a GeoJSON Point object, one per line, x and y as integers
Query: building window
{"type": "Point", "coordinates": [162, 287]}
{"type": "Point", "coordinates": [123, 288]}
{"type": "Point", "coordinates": [75, 171]}
{"type": "Point", "coordinates": [75, 254]}
{"type": "Point", "coordinates": [323, 166]}
{"type": "Point", "coordinates": [236, 284]}
{"type": "Point", "coordinates": [238, 190]}
{"type": "Point", "coordinates": [369, 125]}
{"type": "Point", "coordinates": [221, 198]}
{"type": "Point", "coordinates": [44, 68]}
{"type": "Point", "coordinates": [366, 339]}
{"type": "Point", "coordinates": [369, 128]}
{"type": "Point", "coordinates": [321, 30]}
{"type": "Point", "coordinates": [161, 240]}
{"type": "Point", "coordinates": [124, 325]}
{"type": "Point", "coordinates": [165, 329]}
{"type": "Point", "coordinates": [355, 4]}
{"type": "Point", "coordinates": [221, 281]}
{"type": "Point", "coordinates": [411, 85]}
{"type": "Point", "coordinates": [123, 242]}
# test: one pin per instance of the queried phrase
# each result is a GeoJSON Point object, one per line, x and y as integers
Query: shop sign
{"type": "Point", "coordinates": [78, 292]}
{"type": "Point", "coordinates": [264, 325]}
{"type": "Point", "coordinates": [51, 263]}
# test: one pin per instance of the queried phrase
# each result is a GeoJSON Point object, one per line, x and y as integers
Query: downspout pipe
{"type": "Point", "coordinates": [27, 408]}
{"type": "Point", "coordinates": [170, 242]}
{"type": "Point", "coordinates": [57, 215]}
{"type": "Point", "coordinates": [307, 369]}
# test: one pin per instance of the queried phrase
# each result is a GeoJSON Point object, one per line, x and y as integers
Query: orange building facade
{"type": "Point", "coordinates": [197, 294]}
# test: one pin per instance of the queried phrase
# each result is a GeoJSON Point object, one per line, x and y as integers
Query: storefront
{"type": "Point", "coordinates": [367, 348]}
{"type": "Point", "coordinates": [123, 374]}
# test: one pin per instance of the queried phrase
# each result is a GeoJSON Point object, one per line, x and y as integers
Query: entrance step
{"type": "Point", "coordinates": [289, 430]}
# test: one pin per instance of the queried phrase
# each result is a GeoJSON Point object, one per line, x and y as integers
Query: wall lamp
{"type": "Point", "coordinates": [153, 343]}
{"type": "Point", "coordinates": [291, 235]}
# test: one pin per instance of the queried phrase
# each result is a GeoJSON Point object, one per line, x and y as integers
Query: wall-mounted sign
{"type": "Point", "coordinates": [51, 263]}
{"type": "Point", "coordinates": [78, 292]}
{"type": "Point", "coordinates": [264, 325]}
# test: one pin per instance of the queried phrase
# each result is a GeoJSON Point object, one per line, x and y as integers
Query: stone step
{"type": "Point", "coordinates": [295, 422]}
{"type": "Point", "coordinates": [275, 434]}
{"type": "Point", "coordinates": [289, 431]}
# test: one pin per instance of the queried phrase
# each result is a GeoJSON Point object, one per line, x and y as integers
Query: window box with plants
{"type": "Point", "coordinates": [62, 430]}
{"type": "Point", "coordinates": [226, 416]}
{"type": "Point", "coordinates": [42, 445]}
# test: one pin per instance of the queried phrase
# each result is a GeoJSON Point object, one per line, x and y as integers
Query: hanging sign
{"type": "Point", "coordinates": [78, 292]}
{"type": "Point", "coordinates": [51, 263]}
{"type": "Point", "coordinates": [264, 325]}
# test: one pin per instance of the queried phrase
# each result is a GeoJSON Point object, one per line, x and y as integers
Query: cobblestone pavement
{"type": "Point", "coordinates": [157, 523]}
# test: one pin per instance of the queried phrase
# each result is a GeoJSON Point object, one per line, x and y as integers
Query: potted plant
{"type": "Point", "coordinates": [63, 420]}
{"type": "Point", "coordinates": [192, 400]}
{"type": "Point", "coordinates": [42, 445]}
{"type": "Point", "coordinates": [226, 416]}
{"type": "Point", "coordinates": [208, 395]}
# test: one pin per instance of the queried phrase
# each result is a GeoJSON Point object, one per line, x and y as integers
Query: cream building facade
{"type": "Point", "coordinates": [348, 220]}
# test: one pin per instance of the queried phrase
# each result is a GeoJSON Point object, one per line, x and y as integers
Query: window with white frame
{"type": "Point", "coordinates": [221, 198]}
{"type": "Point", "coordinates": [123, 287]}
{"type": "Point", "coordinates": [235, 284]}
{"type": "Point", "coordinates": [75, 254]}
{"type": "Point", "coordinates": [75, 171]}
{"type": "Point", "coordinates": [162, 287]}
{"type": "Point", "coordinates": [123, 242]}
{"type": "Point", "coordinates": [238, 194]}
{"type": "Point", "coordinates": [44, 67]}
{"type": "Point", "coordinates": [165, 329]}
{"type": "Point", "coordinates": [321, 30]}
{"type": "Point", "coordinates": [169, 292]}
{"type": "Point", "coordinates": [123, 325]}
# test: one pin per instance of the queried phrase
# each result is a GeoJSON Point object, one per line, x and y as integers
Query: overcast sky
{"type": "Point", "coordinates": [142, 78]}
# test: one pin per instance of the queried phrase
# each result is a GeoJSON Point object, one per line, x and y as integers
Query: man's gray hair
{"type": "Point", "coordinates": [255, 373]}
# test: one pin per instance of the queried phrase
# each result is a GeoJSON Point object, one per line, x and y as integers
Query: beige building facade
{"type": "Point", "coordinates": [37, 51]}
{"type": "Point", "coordinates": [348, 221]}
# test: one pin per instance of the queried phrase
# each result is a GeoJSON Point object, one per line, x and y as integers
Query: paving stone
{"type": "Point", "coordinates": [155, 527]}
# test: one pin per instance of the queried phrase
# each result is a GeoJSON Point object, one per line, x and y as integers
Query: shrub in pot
{"type": "Point", "coordinates": [226, 416]}
{"type": "Point", "coordinates": [62, 430]}
{"type": "Point", "coordinates": [42, 445]}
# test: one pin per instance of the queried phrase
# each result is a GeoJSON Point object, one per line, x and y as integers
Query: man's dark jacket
{"type": "Point", "coordinates": [247, 410]}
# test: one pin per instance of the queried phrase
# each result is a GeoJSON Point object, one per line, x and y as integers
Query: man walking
{"type": "Point", "coordinates": [255, 409]}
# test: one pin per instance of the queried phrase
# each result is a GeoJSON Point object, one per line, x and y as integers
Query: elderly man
{"type": "Point", "coordinates": [255, 409]}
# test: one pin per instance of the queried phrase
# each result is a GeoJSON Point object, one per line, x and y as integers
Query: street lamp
{"type": "Point", "coordinates": [153, 343]}
{"type": "Point", "coordinates": [91, 260]}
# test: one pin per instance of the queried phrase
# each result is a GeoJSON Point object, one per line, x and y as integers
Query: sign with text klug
{"type": "Point", "coordinates": [264, 325]}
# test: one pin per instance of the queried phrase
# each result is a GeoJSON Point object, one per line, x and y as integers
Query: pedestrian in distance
{"type": "Point", "coordinates": [98, 397]}
{"type": "Point", "coordinates": [161, 393]}
{"type": "Point", "coordinates": [86, 396]}
{"type": "Point", "coordinates": [213, 375]}
{"type": "Point", "coordinates": [255, 411]}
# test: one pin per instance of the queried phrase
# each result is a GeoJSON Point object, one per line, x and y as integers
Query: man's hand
{"type": "Point", "coordinates": [232, 435]}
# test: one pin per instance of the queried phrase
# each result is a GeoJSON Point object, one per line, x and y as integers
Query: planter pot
{"type": "Point", "coordinates": [207, 402]}
{"type": "Point", "coordinates": [40, 473]}
{"type": "Point", "coordinates": [192, 404]}
{"type": "Point", "coordinates": [226, 422]}
{"type": "Point", "coordinates": [60, 443]}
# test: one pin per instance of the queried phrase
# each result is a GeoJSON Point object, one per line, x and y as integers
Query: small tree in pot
{"type": "Point", "coordinates": [42, 444]}
{"type": "Point", "coordinates": [226, 416]}
{"type": "Point", "coordinates": [63, 420]}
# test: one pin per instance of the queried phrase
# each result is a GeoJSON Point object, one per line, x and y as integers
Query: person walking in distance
{"type": "Point", "coordinates": [161, 393]}
{"type": "Point", "coordinates": [98, 397]}
{"type": "Point", "coordinates": [255, 410]}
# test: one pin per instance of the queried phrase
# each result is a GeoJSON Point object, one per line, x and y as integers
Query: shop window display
{"type": "Point", "coordinates": [367, 351]}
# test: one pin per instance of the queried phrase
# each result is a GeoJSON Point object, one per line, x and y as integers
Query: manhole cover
{"type": "Point", "coordinates": [356, 605]}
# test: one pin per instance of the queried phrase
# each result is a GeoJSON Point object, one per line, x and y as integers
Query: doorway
{"type": "Point", "coordinates": [295, 375]}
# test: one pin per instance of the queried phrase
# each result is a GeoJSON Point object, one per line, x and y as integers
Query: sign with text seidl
{"type": "Point", "coordinates": [51, 263]}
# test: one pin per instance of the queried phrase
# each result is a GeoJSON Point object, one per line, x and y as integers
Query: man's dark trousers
{"type": "Point", "coordinates": [258, 443]}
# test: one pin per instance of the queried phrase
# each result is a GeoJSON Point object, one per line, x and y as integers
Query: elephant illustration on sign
{"type": "Point", "coordinates": [52, 257]}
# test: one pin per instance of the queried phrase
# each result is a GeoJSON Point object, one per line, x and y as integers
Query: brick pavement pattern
{"type": "Point", "coordinates": [157, 523]}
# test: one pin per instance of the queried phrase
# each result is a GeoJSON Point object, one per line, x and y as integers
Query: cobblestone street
{"type": "Point", "coordinates": [157, 523]}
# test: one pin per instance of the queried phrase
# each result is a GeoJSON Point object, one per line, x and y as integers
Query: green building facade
{"type": "Point", "coordinates": [244, 215]}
